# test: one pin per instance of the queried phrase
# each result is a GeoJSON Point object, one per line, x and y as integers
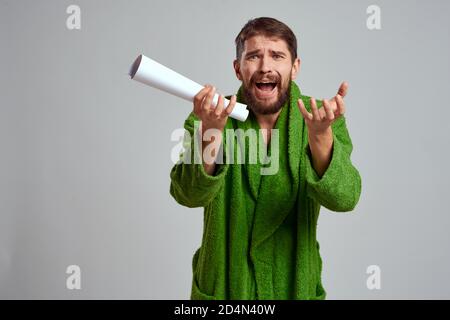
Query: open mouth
{"type": "Point", "coordinates": [265, 90]}
{"type": "Point", "coordinates": [266, 86]}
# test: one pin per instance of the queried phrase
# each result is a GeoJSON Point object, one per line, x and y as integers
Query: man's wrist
{"type": "Point", "coordinates": [321, 137]}
{"type": "Point", "coordinates": [206, 127]}
{"type": "Point", "coordinates": [211, 141]}
{"type": "Point", "coordinates": [321, 146]}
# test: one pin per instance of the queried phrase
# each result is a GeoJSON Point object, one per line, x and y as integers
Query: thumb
{"type": "Point", "coordinates": [343, 89]}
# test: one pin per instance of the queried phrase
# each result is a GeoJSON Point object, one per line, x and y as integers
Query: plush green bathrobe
{"type": "Point", "coordinates": [259, 231]}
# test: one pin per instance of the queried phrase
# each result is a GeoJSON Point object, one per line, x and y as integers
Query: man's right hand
{"type": "Point", "coordinates": [212, 117]}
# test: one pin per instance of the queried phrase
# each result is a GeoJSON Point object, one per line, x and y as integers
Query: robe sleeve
{"type": "Point", "coordinates": [339, 188]}
{"type": "Point", "coordinates": [190, 185]}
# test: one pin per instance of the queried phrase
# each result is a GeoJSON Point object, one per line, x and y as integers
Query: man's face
{"type": "Point", "coordinates": [265, 69]}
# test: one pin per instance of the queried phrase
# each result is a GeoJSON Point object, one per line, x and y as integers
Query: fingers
{"type": "Point", "coordinates": [231, 105]}
{"type": "Point", "coordinates": [212, 111]}
{"type": "Point", "coordinates": [324, 113]}
{"type": "Point", "coordinates": [219, 107]}
{"type": "Point", "coordinates": [343, 89]}
{"type": "Point", "coordinates": [328, 110]}
{"type": "Point", "coordinates": [203, 103]}
{"type": "Point", "coordinates": [208, 99]}
{"type": "Point", "coordinates": [303, 110]}
{"type": "Point", "coordinates": [315, 111]}
{"type": "Point", "coordinates": [223, 112]}
{"type": "Point", "coordinates": [333, 104]}
{"type": "Point", "coordinates": [198, 99]}
{"type": "Point", "coordinates": [340, 104]}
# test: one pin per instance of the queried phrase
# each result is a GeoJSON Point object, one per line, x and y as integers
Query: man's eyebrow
{"type": "Point", "coordinates": [258, 50]}
{"type": "Point", "coordinates": [252, 52]}
{"type": "Point", "coordinates": [279, 52]}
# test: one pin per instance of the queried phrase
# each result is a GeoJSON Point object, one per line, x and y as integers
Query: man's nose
{"type": "Point", "coordinates": [265, 64]}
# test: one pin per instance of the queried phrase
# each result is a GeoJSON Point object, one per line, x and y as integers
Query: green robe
{"type": "Point", "coordinates": [259, 231]}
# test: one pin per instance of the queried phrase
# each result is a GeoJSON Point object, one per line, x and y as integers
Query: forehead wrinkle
{"type": "Point", "coordinates": [260, 44]}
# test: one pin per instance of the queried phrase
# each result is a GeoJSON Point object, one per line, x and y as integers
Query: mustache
{"type": "Point", "coordinates": [256, 79]}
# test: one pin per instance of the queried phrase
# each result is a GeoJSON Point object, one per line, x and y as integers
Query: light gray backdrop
{"type": "Point", "coordinates": [85, 151]}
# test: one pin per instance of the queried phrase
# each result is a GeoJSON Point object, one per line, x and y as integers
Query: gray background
{"type": "Point", "coordinates": [85, 151]}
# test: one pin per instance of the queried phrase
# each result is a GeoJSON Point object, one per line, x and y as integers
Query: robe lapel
{"type": "Point", "coordinates": [278, 193]}
{"type": "Point", "coordinates": [252, 170]}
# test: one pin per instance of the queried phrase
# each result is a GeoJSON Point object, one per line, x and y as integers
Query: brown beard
{"type": "Point", "coordinates": [258, 108]}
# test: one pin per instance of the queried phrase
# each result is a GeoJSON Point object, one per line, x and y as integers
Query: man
{"type": "Point", "coordinates": [259, 236]}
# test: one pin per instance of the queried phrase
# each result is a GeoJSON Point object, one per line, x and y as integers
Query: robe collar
{"type": "Point", "coordinates": [276, 194]}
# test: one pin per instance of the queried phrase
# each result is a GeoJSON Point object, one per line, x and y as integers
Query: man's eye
{"type": "Point", "coordinates": [277, 56]}
{"type": "Point", "coordinates": [252, 57]}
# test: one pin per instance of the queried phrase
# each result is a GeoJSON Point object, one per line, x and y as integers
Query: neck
{"type": "Point", "coordinates": [267, 121]}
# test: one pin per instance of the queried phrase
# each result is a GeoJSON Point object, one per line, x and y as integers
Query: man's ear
{"type": "Point", "coordinates": [295, 68]}
{"type": "Point", "coordinates": [237, 69]}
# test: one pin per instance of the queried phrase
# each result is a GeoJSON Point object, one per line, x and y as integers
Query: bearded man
{"type": "Point", "coordinates": [259, 232]}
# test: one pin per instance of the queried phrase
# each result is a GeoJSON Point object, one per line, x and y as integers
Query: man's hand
{"type": "Point", "coordinates": [320, 135]}
{"type": "Point", "coordinates": [321, 119]}
{"type": "Point", "coordinates": [211, 118]}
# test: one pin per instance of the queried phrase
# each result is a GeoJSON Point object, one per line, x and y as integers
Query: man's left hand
{"type": "Point", "coordinates": [320, 135]}
{"type": "Point", "coordinates": [320, 120]}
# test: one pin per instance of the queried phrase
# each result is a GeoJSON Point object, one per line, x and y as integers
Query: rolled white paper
{"type": "Point", "coordinates": [154, 74]}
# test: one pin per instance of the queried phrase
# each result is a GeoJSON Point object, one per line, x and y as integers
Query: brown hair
{"type": "Point", "coordinates": [268, 27]}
